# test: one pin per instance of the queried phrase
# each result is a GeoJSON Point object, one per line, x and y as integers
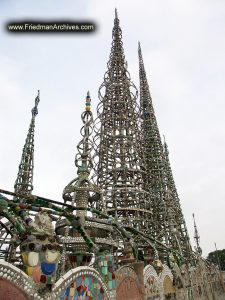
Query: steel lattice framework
{"type": "Point", "coordinates": [24, 180]}
{"type": "Point", "coordinates": [154, 157]}
{"type": "Point", "coordinates": [181, 227]}
{"type": "Point", "coordinates": [23, 186]}
{"type": "Point", "coordinates": [164, 225]}
{"type": "Point", "coordinates": [119, 167]}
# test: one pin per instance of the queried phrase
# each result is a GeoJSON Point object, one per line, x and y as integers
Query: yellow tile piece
{"type": "Point", "coordinates": [72, 292]}
{"type": "Point", "coordinates": [24, 258]}
{"type": "Point", "coordinates": [29, 271]}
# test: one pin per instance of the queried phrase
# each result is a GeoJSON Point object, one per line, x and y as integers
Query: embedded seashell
{"type": "Point", "coordinates": [33, 259]}
{"type": "Point", "coordinates": [51, 256]}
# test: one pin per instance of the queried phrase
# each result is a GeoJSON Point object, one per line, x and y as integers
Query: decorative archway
{"type": "Point", "coordinates": [166, 282]}
{"type": "Point", "coordinates": [81, 281]}
{"type": "Point", "coordinates": [151, 282]}
{"type": "Point", "coordinates": [127, 284]}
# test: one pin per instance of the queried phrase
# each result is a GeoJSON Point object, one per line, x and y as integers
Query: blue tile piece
{"type": "Point", "coordinates": [47, 269]}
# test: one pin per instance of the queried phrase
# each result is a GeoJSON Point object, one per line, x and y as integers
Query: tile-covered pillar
{"type": "Point", "coordinates": [105, 266]}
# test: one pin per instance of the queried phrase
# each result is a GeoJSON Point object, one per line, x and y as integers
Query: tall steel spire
{"type": "Point", "coordinates": [24, 181]}
{"type": "Point", "coordinates": [119, 168]}
{"type": "Point", "coordinates": [154, 158]}
{"type": "Point", "coordinates": [181, 227]}
{"type": "Point", "coordinates": [164, 226]}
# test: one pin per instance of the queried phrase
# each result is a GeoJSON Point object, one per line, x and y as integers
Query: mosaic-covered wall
{"type": "Point", "coordinates": [89, 284]}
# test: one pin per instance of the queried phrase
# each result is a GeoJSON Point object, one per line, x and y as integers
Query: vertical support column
{"type": "Point", "coordinates": [105, 266]}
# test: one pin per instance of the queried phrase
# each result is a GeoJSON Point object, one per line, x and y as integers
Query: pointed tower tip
{"type": "Point", "coordinates": [24, 181]}
{"type": "Point", "coordinates": [194, 219]}
{"type": "Point", "coordinates": [165, 146]}
{"type": "Point", "coordinates": [116, 13]}
{"type": "Point", "coordinates": [37, 98]}
{"type": "Point", "coordinates": [140, 52]}
{"type": "Point", "coordinates": [88, 101]}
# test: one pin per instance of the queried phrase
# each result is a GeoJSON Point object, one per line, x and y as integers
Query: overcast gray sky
{"type": "Point", "coordinates": [183, 45]}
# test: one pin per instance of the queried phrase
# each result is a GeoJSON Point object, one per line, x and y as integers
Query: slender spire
{"type": "Point", "coordinates": [197, 237]}
{"type": "Point", "coordinates": [154, 158]}
{"type": "Point", "coordinates": [119, 165]}
{"type": "Point", "coordinates": [77, 191]}
{"type": "Point", "coordinates": [82, 194]}
{"type": "Point", "coordinates": [181, 227]}
{"type": "Point", "coordinates": [83, 160]}
{"type": "Point", "coordinates": [24, 181]}
{"type": "Point", "coordinates": [164, 225]}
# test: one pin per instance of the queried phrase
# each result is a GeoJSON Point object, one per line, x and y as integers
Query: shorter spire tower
{"type": "Point", "coordinates": [81, 235]}
{"type": "Point", "coordinates": [24, 181]}
{"type": "Point", "coordinates": [77, 191]}
{"type": "Point", "coordinates": [197, 237]}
